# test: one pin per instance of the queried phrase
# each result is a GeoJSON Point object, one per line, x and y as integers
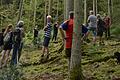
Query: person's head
{"type": "Point", "coordinates": [49, 18]}
{"type": "Point", "coordinates": [20, 24]}
{"type": "Point", "coordinates": [9, 27]}
{"type": "Point", "coordinates": [91, 12]}
{"type": "Point", "coordinates": [98, 16]}
{"type": "Point", "coordinates": [71, 14]}
{"type": "Point", "coordinates": [36, 27]}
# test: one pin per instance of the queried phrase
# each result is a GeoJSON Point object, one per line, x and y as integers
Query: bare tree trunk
{"type": "Point", "coordinates": [64, 9]}
{"type": "Point", "coordinates": [1, 14]}
{"type": "Point", "coordinates": [94, 6]}
{"type": "Point", "coordinates": [45, 13]}
{"type": "Point", "coordinates": [20, 9]}
{"type": "Point", "coordinates": [110, 8]}
{"type": "Point", "coordinates": [30, 6]}
{"type": "Point", "coordinates": [75, 67]}
{"type": "Point", "coordinates": [85, 11]}
{"type": "Point", "coordinates": [57, 8]}
{"type": "Point", "coordinates": [35, 4]}
{"type": "Point", "coordinates": [50, 7]}
{"type": "Point", "coordinates": [69, 7]}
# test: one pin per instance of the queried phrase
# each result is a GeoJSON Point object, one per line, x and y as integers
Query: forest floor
{"type": "Point", "coordinates": [98, 62]}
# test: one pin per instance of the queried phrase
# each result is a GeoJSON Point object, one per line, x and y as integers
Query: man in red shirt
{"type": "Point", "coordinates": [107, 21]}
{"type": "Point", "coordinates": [67, 26]}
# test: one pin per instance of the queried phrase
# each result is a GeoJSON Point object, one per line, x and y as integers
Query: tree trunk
{"type": "Point", "coordinates": [20, 10]}
{"type": "Point", "coordinates": [94, 7]}
{"type": "Point", "coordinates": [57, 9]}
{"type": "Point", "coordinates": [35, 3]}
{"type": "Point", "coordinates": [64, 10]}
{"type": "Point", "coordinates": [85, 11]}
{"type": "Point", "coordinates": [75, 68]}
{"type": "Point", "coordinates": [50, 7]}
{"type": "Point", "coordinates": [1, 14]}
{"type": "Point", "coordinates": [69, 7]}
{"type": "Point", "coordinates": [110, 8]}
{"type": "Point", "coordinates": [45, 13]}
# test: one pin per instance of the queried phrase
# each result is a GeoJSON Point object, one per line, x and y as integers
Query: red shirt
{"type": "Point", "coordinates": [69, 34]}
{"type": "Point", "coordinates": [107, 22]}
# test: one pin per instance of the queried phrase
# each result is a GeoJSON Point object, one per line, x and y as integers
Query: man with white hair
{"type": "Point", "coordinates": [47, 36]}
{"type": "Point", "coordinates": [18, 42]}
{"type": "Point", "coordinates": [92, 25]}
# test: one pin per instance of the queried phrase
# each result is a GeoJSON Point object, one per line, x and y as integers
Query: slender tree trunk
{"type": "Point", "coordinates": [110, 8]}
{"type": "Point", "coordinates": [85, 11]}
{"type": "Point", "coordinates": [30, 6]}
{"type": "Point", "coordinates": [75, 68]}
{"type": "Point", "coordinates": [20, 9]}
{"type": "Point", "coordinates": [45, 13]}
{"type": "Point", "coordinates": [57, 9]}
{"type": "Point", "coordinates": [50, 7]}
{"type": "Point", "coordinates": [94, 6]}
{"type": "Point", "coordinates": [35, 4]}
{"type": "Point", "coordinates": [69, 7]}
{"type": "Point", "coordinates": [64, 9]}
{"type": "Point", "coordinates": [1, 14]}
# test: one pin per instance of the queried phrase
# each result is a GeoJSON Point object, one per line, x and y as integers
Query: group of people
{"type": "Point", "coordinates": [11, 40]}
{"type": "Point", "coordinates": [95, 24]}
{"type": "Point", "coordinates": [98, 26]}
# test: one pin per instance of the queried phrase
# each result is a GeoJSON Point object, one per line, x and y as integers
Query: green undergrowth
{"type": "Point", "coordinates": [98, 62]}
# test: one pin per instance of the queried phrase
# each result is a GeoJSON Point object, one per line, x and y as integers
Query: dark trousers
{"type": "Point", "coordinates": [54, 36]}
{"type": "Point", "coordinates": [107, 32]}
{"type": "Point", "coordinates": [17, 48]}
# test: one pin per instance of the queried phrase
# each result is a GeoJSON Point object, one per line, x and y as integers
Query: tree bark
{"type": "Point", "coordinates": [57, 9]}
{"type": "Point", "coordinates": [85, 11]}
{"type": "Point", "coordinates": [75, 67]}
{"type": "Point", "coordinates": [50, 7]}
{"type": "Point", "coordinates": [94, 7]}
{"type": "Point", "coordinates": [20, 9]}
{"type": "Point", "coordinates": [110, 8]}
{"type": "Point", "coordinates": [64, 10]}
{"type": "Point", "coordinates": [69, 7]}
{"type": "Point", "coordinates": [1, 14]}
{"type": "Point", "coordinates": [45, 13]}
{"type": "Point", "coordinates": [35, 4]}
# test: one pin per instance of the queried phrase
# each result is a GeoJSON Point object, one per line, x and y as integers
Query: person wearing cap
{"type": "Point", "coordinates": [92, 25]}
{"type": "Point", "coordinates": [18, 42]}
{"type": "Point", "coordinates": [47, 36]}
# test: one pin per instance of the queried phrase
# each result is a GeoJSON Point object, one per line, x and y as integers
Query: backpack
{"type": "Point", "coordinates": [7, 37]}
{"type": "Point", "coordinates": [17, 35]}
{"type": "Point", "coordinates": [65, 26]}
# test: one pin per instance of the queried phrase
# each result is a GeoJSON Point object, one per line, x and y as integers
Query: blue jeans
{"type": "Point", "coordinates": [17, 48]}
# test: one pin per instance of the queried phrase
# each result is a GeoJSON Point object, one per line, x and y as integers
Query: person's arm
{"type": "Point", "coordinates": [62, 33]}
{"type": "Point", "coordinates": [88, 20]}
{"type": "Point", "coordinates": [109, 22]}
{"type": "Point", "coordinates": [45, 28]}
